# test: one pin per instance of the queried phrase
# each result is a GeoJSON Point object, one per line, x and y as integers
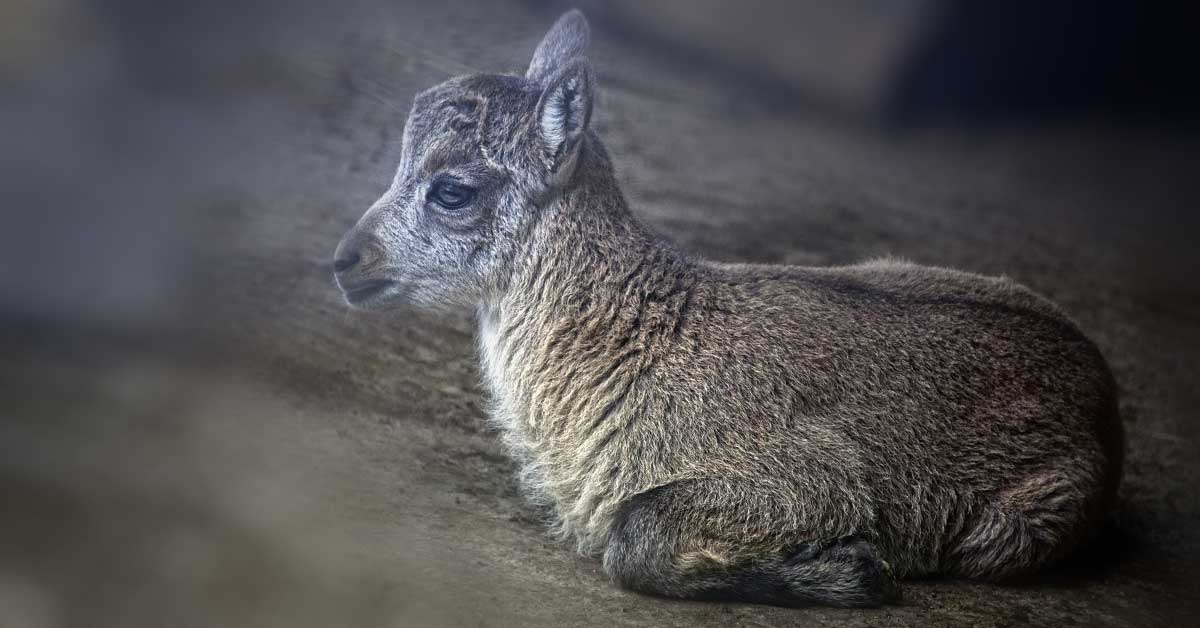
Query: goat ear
{"type": "Point", "coordinates": [563, 113]}
{"type": "Point", "coordinates": [565, 41]}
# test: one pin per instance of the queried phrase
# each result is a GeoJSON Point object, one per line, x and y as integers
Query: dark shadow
{"type": "Point", "coordinates": [994, 61]}
{"type": "Point", "coordinates": [1094, 562]}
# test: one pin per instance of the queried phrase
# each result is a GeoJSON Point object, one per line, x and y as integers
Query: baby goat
{"type": "Point", "coordinates": [776, 434]}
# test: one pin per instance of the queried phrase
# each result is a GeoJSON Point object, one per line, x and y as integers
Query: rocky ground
{"type": "Point", "coordinates": [197, 432]}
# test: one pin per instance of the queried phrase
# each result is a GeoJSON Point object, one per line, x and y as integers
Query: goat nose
{"type": "Point", "coordinates": [343, 264]}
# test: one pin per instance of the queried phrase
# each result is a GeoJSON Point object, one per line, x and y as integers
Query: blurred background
{"type": "Point", "coordinates": [195, 431]}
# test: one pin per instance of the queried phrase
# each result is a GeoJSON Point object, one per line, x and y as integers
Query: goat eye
{"type": "Point", "coordinates": [450, 195]}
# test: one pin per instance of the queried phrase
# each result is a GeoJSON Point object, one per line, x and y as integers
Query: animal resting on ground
{"type": "Point", "coordinates": [776, 434]}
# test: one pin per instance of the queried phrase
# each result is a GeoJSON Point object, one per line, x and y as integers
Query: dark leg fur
{"type": "Point", "coordinates": [1026, 528]}
{"type": "Point", "coordinates": [645, 553]}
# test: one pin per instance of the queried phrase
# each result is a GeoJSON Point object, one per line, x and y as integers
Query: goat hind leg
{"type": "Point", "coordinates": [669, 542]}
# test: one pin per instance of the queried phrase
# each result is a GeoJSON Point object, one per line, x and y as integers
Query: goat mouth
{"type": "Point", "coordinates": [363, 292]}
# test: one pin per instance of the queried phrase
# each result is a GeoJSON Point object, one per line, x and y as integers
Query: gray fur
{"type": "Point", "coordinates": [779, 434]}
